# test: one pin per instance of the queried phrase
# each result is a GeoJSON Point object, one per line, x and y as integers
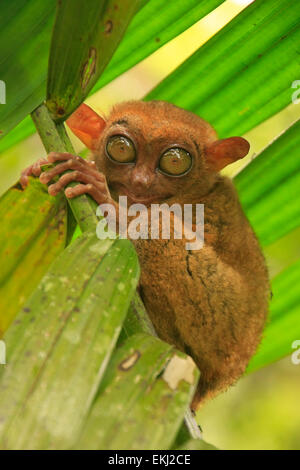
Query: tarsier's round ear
{"type": "Point", "coordinates": [87, 125]}
{"type": "Point", "coordinates": [223, 152]}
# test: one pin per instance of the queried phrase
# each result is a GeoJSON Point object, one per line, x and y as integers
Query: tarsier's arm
{"type": "Point", "coordinates": [210, 302]}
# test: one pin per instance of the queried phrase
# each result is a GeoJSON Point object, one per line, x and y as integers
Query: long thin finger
{"type": "Point", "coordinates": [75, 163]}
{"type": "Point", "coordinates": [36, 167]}
{"type": "Point", "coordinates": [88, 168]}
{"type": "Point", "coordinates": [24, 181]}
{"type": "Point", "coordinates": [80, 189]}
{"type": "Point", "coordinates": [24, 176]}
{"type": "Point", "coordinates": [57, 170]}
{"type": "Point", "coordinates": [54, 157]}
{"type": "Point", "coordinates": [80, 176]}
{"type": "Point", "coordinates": [33, 169]}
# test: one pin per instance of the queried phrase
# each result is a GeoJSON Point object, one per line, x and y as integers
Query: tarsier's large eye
{"type": "Point", "coordinates": [175, 162]}
{"type": "Point", "coordinates": [120, 149]}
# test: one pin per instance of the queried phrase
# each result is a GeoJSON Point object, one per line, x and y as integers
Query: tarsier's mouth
{"type": "Point", "coordinates": [132, 198]}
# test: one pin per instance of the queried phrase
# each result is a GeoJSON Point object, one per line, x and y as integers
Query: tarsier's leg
{"type": "Point", "coordinates": [204, 307]}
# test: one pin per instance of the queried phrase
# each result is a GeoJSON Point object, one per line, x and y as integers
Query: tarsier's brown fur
{"type": "Point", "coordinates": [211, 303]}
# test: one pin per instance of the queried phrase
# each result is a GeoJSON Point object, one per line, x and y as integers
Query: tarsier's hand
{"type": "Point", "coordinates": [91, 181]}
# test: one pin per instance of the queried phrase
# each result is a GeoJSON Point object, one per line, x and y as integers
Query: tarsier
{"type": "Point", "coordinates": [211, 303]}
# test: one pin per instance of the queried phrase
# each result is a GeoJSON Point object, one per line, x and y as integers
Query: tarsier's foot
{"type": "Point", "coordinates": [77, 169]}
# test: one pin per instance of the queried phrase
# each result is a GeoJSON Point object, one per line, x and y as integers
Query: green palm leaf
{"type": "Point", "coordinates": [243, 75]}
{"type": "Point", "coordinates": [37, 224]}
{"type": "Point", "coordinates": [140, 40]}
{"type": "Point", "coordinates": [57, 356]}
{"type": "Point", "coordinates": [135, 391]}
{"type": "Point", "coordinates": [25, 31]}
{"type": "Point", "coordinates": [71, 78]}
{"type": "Point", "coordinates": [283, 327]}
{"type": "Point", "coordinates": [269, 187]}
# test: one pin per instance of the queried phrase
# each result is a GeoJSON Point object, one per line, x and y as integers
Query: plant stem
{"type": "Point", "coordinates": [55, 139]}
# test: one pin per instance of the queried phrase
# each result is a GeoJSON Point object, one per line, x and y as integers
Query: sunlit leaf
{"type": "Point", "coordinates": [134, 392]}
{"type": "Point", "coordinates": [92, 31]}
{"type": "Point", "coordinates": [25, 29]}
{"type": "Point", "coordinates": [141, 39]}
{"type": "Point", "coordinates": [36, 224]}
{"type": "Point", "coordinates": [283, 328]}
{"type": "Point", "coordinates": [269, 187]}
{"type": "Point", "coordinates": [60, 343]}
{"type": "Point", "coordinates": [156, 24]}
{"type": "Point", "coordinates": [243, 75]}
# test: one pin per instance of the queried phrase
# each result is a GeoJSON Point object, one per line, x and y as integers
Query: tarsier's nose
{"type": "Point", "coordinates": [141, 177]}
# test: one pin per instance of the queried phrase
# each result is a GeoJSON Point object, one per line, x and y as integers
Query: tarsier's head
{"type": "Point", "coordinates": [151, 151]}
